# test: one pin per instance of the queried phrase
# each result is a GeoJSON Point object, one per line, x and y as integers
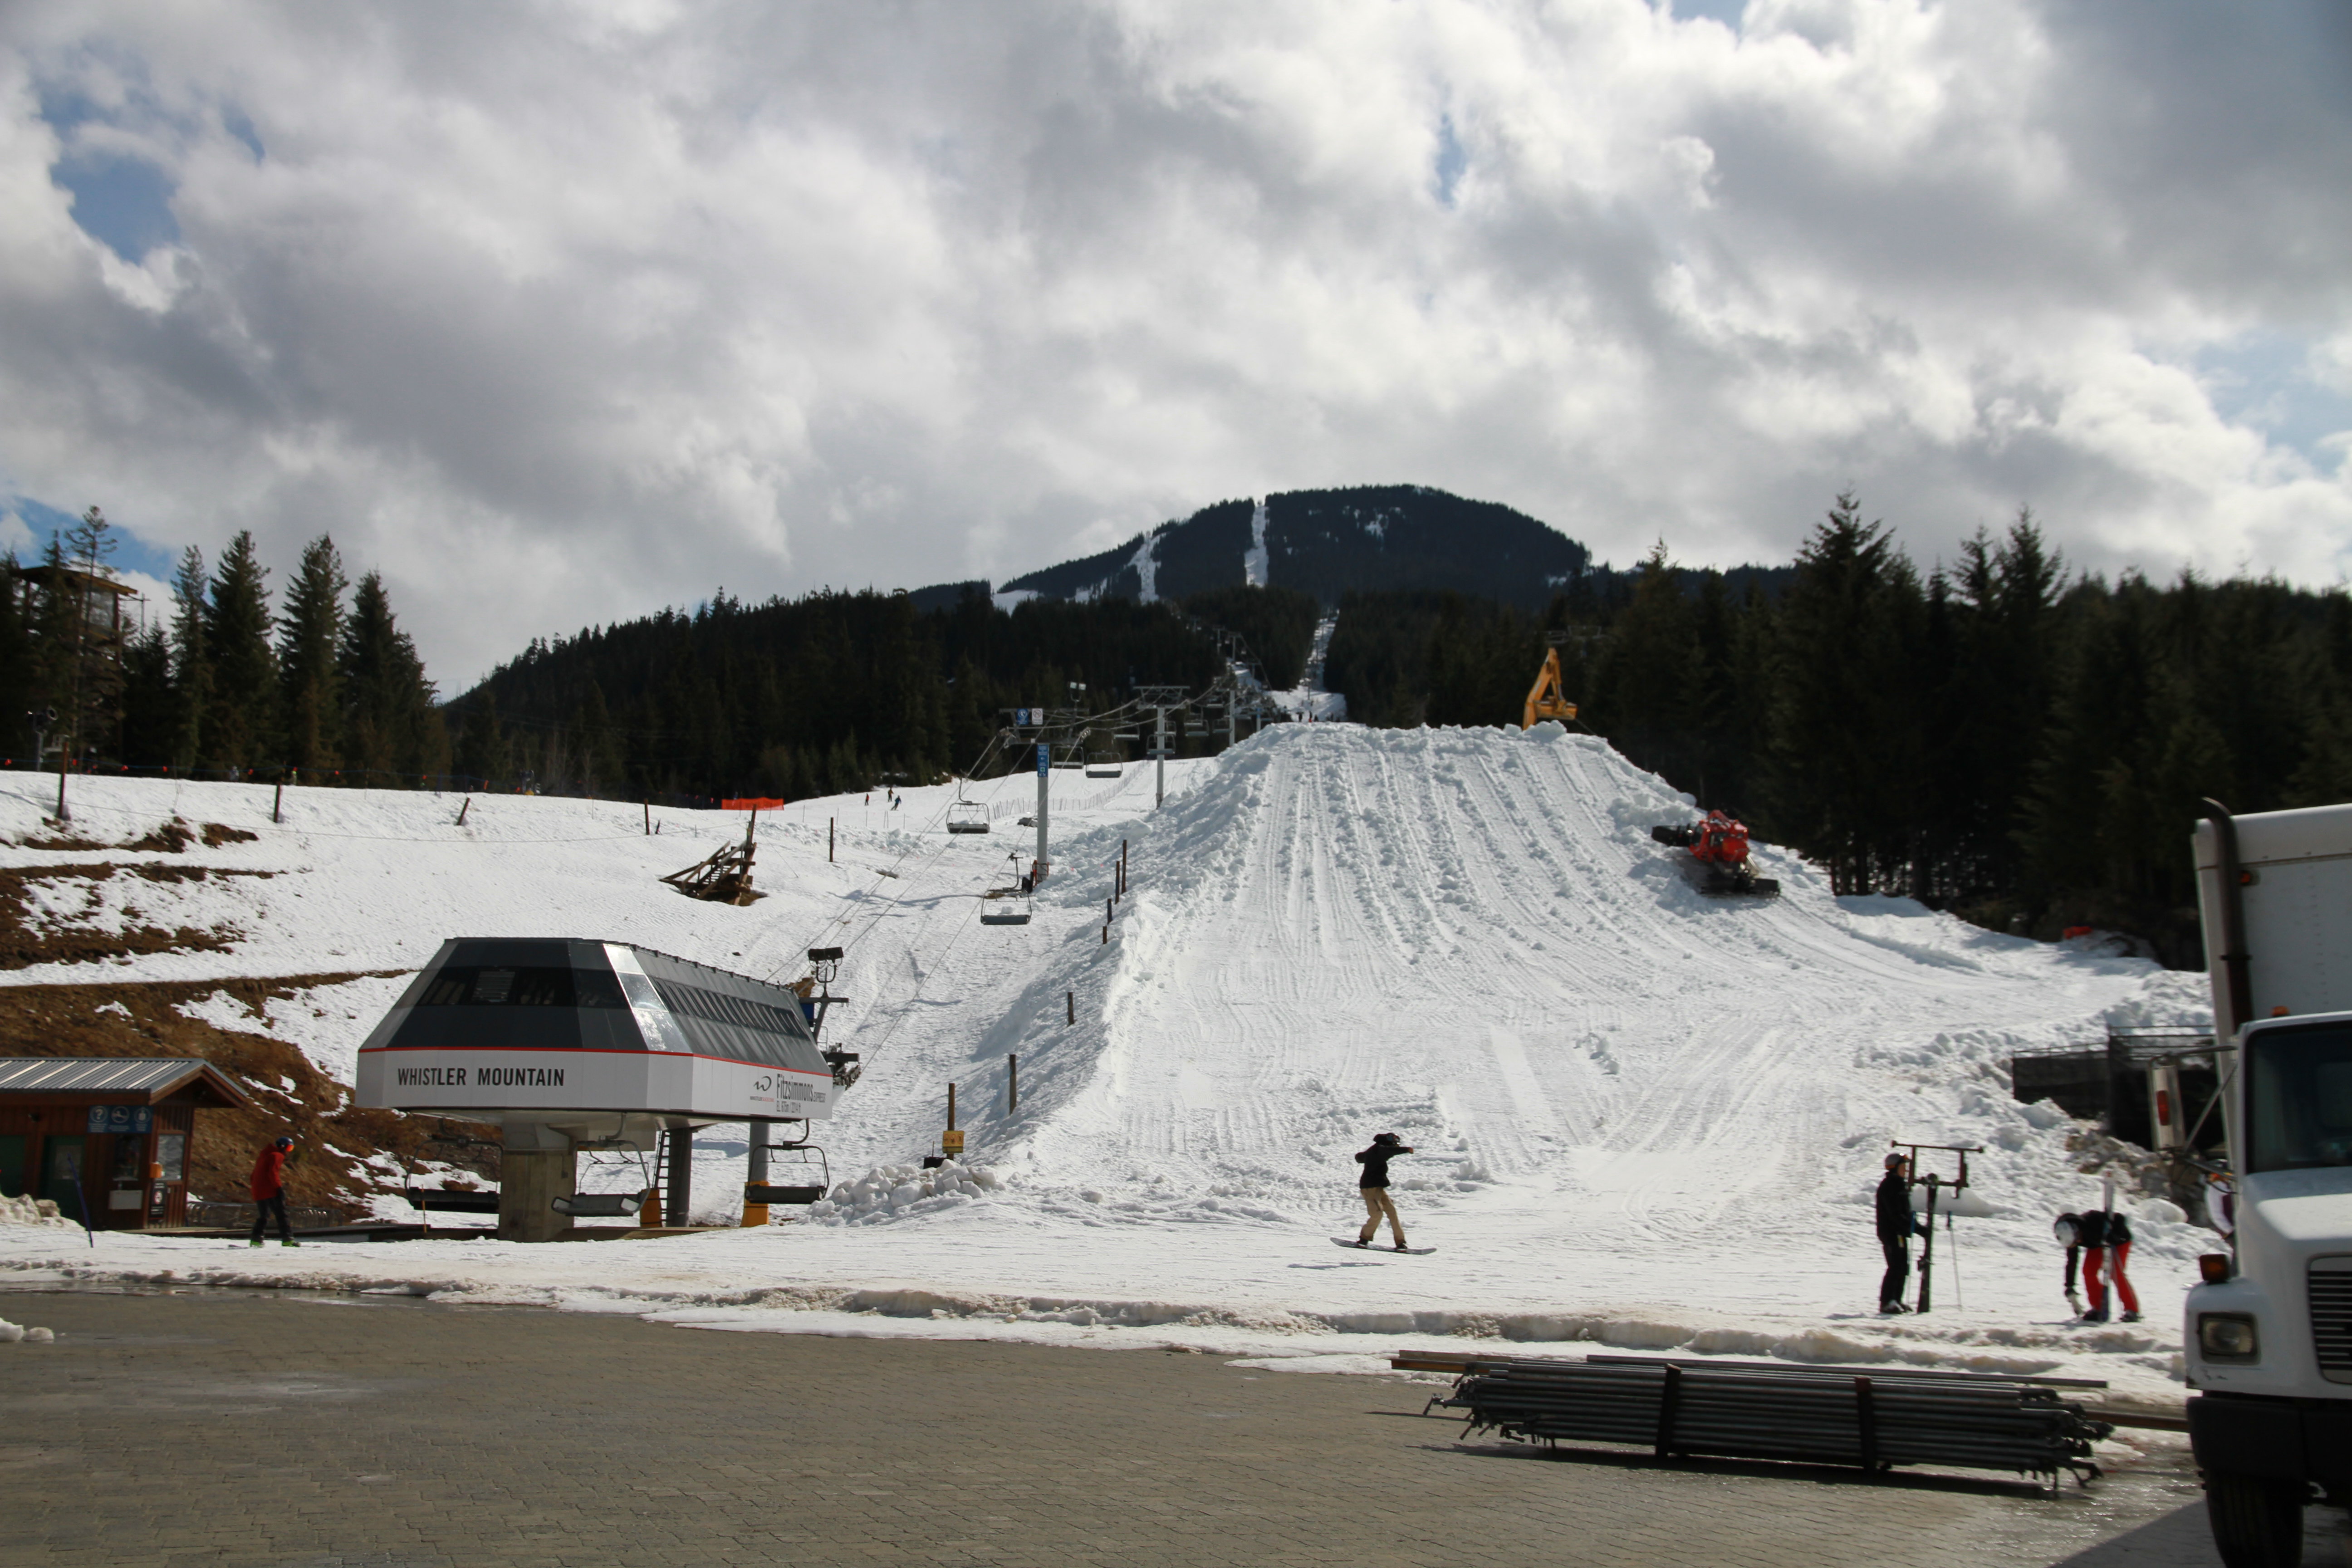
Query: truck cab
{"type": "Point", "coordinates": [2268, 1335]}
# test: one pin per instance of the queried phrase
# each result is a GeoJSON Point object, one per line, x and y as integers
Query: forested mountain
{"type": "Point", "coordinates": [1997, 737]}
{"type": "Point", "coordinates": [1327, 543]}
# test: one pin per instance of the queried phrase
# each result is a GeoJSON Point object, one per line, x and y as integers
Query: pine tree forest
{"type": "Point", "coordinates": [322, 687]}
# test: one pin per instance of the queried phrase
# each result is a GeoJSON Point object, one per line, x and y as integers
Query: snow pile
{"type": "Point", "coordinates": [33, 1211]}
{"type": "Point", "coordinates": [891, 1191]}
{"type": "Point", "coordinates": [16, 1334]}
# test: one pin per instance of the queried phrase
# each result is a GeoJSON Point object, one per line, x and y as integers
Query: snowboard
{"type": "Point", "coordinates": [1377, 1246]}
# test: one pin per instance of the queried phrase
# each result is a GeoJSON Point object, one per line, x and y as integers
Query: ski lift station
{"type": "Point", "coordinates": [572, 1044]}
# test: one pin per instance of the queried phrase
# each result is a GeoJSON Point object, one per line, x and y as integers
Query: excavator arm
{"type": "Point", "coordinates": [1547, 698]}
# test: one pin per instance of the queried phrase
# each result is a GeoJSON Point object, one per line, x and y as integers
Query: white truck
{"type": "Point", "coordinates": [2269, 1333]}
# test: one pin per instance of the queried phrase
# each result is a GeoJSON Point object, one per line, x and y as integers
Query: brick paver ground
{"type": "Point", "coordinates": [215, 1428]}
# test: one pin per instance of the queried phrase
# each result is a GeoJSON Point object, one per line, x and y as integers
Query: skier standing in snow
{"type": "Point", "coordinates": [1374, 1185]}
{"type": "Point", "coordinates": [269, 1191]}
{"type": "Point", "coordinates": [1895, 1228]}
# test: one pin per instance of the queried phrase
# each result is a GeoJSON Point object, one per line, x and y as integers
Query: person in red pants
{"type": "Point", "coordinates": [2105, 1238]}
{"type": "Point", "coordinates": [2106, 1247]}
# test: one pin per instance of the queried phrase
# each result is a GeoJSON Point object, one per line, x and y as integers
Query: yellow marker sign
{"type": "Point", "coordinates": [951, 1142]}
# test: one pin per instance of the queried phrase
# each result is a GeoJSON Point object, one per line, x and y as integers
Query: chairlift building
{"type": "Point", "coordinates": [575, 1034]}
{"type": "Point", "coordinates": [566, 1043]}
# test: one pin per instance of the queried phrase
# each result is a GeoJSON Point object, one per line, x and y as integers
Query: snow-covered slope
{"type": "Point", "coordinates": [1640, 1115]}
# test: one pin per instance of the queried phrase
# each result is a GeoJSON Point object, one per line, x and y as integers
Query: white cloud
{"type": "Point", "coordinates": [558, 314]}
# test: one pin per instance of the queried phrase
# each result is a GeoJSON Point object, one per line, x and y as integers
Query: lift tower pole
{"type": "Point", "coordinates": [1045, 768]}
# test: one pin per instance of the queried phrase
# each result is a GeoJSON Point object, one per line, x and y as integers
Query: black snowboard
{"type": "Point", "coordinates": [1377, 1246]}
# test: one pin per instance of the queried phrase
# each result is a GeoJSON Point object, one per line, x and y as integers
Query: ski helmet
{"type": "Point", "coordinates": [2068, 1230]}
{"type": "Point", "coordinates": [1386, 1138]}
{"type": "Point", "coordinates": [1893, 1160]}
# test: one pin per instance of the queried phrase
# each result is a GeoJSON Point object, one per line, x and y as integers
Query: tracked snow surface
{"type": "Point", "coordinates": [1643, 1118]}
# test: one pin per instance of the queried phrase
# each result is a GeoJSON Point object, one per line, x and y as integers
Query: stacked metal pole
{"type": "Point", "coordinates": [1868, 1416]}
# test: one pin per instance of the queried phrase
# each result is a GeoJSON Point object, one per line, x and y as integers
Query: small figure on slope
{"type": "Point", "coordinates": [1374, 1185]}
{"type": "Point", "coordinates": [1895, 1228]}
{"type": "Point", "coordinates": [270, 1191]}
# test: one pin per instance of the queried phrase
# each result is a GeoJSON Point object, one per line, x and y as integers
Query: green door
{"type": "Point", "coordinates": [61, 1173]}
{"type": "Point", "coordinates": [11, 1165]}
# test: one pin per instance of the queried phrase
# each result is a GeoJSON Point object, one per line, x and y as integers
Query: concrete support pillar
{"type": "Point", "coordinates": [536, 1166]}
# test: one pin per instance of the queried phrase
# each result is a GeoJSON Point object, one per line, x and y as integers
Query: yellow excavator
{"type": "Point", "coordinates": [1547, 698]}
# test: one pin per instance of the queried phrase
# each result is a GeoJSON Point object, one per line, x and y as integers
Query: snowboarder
{"type": "Point", "coordinates": [1895, 1228]}
{"type": "Point", "coordinates": [270, 1191]}
{"type": "Point", "coordinates": [1374, 1185]}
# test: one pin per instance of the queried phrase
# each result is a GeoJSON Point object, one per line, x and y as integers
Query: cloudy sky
{"type": "Point", "coordinates": [558, 314]}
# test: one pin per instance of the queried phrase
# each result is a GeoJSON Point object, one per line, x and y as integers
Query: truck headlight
{"type": "Point", "coordinates": [2227, 1336]}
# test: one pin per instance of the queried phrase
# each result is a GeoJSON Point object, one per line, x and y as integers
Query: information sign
{"type": "Point", "coordinates": [121, 1121]}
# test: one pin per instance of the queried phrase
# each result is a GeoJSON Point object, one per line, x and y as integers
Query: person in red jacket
{"type": "Point", "coordinates": [270, 1191]}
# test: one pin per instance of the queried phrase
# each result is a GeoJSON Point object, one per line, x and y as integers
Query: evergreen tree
{"type": "Point", "coordinates": [1846, 762]}
{"type": "Point", "coordinates": [309, 645]}
{"type": "Point", "coordinates": [192, 670]}
{"type": "Point", "coordinates": [83, 632]}
{"type": "Point", "coordinates": [17, 675]}
{"type": "Point", "coordinates": [390, 727]}
{"type": "Point", "coordinates": [241, 719]}
{"type": "Point", "coordinates": [150, 704]}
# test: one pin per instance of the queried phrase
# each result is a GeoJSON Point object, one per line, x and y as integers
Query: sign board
{"type": "Point", "coordinates": [1044, 759]}
{"type": "Point", "coordinates": [121, 1121]}
{"type": "Point", "coordinates": [951, 1142]}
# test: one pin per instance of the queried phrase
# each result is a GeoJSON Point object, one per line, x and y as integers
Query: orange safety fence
{"type": "Point", "coordinates": [749, 804]}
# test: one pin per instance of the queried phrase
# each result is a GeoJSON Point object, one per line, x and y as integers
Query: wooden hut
{"type": "Point", "coordinates": [108, 1137]}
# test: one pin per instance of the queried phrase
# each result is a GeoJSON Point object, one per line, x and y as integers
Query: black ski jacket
{"type": "Point", "coordinates": [2105, 1227]}
{"type": "Point", "coordinates": [1895, 1220]}
{"type": "Point", "coordinates": [1375, 1161]}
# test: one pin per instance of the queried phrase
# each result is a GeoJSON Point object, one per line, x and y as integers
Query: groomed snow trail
{"type": "Point", "coordinates": [1642, 1116]}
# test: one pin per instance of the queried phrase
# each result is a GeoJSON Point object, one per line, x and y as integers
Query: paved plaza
{"type": "Point", "coordinates": [208, 1428]}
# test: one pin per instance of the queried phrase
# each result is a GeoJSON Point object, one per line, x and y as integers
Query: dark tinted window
{"type": "Point", "coordinates": [2299, 1098]}
{"type": "Point", "coordinates": [718, 1007]}
{"type": "Point", "coordinates": [531, 985]}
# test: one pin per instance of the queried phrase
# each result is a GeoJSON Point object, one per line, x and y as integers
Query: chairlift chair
{"type": "Point", "coordinates": [968, 816]}
{"type": "Point", "coordinates": [1008, 905]}
{"type": "Point", "coordinates": [793, 1193]}
{"type": "Point", "coordinates": [1104, 767]}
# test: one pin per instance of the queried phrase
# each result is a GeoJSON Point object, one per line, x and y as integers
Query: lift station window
{"type": "Point", "coordinates": [528, 986]}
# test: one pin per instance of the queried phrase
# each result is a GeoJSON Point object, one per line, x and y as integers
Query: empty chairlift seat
{"type": "Point", "coordinates": [968, 816]}
{"type": "Point", "coordinates": [599, 1205]}
{"type": "Point", "coordinates": [449, 1200]}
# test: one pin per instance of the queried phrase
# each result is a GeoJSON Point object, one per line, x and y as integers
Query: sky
{"type": "Point", "coordinates": [556, 314]}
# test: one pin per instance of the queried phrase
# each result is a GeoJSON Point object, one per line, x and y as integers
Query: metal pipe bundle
{"type": "Point", "coordinates": [1869, 1417]}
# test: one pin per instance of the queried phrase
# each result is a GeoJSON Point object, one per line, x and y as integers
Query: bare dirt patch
{"type": "Point", "coordinates": [169, 839]}
{"type": "Point", "coordinates": [217, 835]}
{"type": "Point", "coordinates": [333, 1136]}
{"type": "Point", "coordinates": [26, 940]}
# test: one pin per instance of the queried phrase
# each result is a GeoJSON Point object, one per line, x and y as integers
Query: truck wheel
{"type": "Point", "coordinates": [2256, 1523]}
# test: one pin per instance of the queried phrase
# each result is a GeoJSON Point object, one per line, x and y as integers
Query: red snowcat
{"type": "Point", "coordinates": [1719, 844]}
